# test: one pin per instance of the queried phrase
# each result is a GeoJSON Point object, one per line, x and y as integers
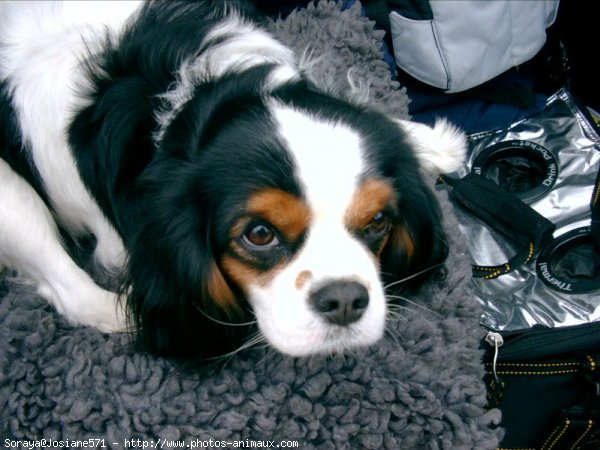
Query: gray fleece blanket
{"type": "Point", "coordinates": [419, 388]}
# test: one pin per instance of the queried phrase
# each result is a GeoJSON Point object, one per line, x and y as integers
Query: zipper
{"type": "Point", "coordinates": [496, 341]}
{"type": "Point", "coordinates": [541, 342]}
{"type": "Point", "coordinates": [495, 389]}
{"type": "Point", "coordinates": [521, 343]}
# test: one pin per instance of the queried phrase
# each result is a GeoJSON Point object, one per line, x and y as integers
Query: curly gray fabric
{"type": "Point", "coordinates": [344, 55]}
{"type": "Point", "coordinates": [420, 388]}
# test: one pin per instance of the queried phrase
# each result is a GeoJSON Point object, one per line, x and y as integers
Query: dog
{"type": "Point", "coordinates": [235, 201]}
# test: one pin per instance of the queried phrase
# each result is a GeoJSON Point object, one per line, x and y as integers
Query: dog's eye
{"type": "Point", "coordinates": [261, 235]}
{"type": "Point", "coordinates": [377, 227]}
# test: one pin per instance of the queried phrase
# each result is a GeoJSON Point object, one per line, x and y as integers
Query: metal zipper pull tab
{"type": "Point", "coordinates": [496, 386]}
{"type": "Point", "coordinates": [495, 340]}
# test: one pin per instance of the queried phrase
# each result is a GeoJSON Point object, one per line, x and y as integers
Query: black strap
{"type": "Point", "coordinates": [595, 207]}
{"type": "Point", "coordinates": [505, 213]}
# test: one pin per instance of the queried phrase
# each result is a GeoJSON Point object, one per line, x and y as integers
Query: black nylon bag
{"type": "Point", "coordinates": [546, 382]}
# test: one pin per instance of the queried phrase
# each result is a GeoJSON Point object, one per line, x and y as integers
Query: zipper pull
{"type": "Point", "coordinates": [496, 387]}
{"type": "Point", "coordinates": [495, 340]}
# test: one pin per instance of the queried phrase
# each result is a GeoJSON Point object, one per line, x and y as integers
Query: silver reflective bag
{"type": "Point", "coordinates": [550, 162]}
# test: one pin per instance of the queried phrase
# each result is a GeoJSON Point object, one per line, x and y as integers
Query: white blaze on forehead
{"type": "Point", "coordinates": [327, 156]}
{"type": "Point", "coordinates": [328, 166]}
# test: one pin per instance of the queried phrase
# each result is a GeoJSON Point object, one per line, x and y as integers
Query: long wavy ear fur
{"type": "Point", "coordinates": [177, 295]}
{"type": "Point", "coordinates": [417, 244]}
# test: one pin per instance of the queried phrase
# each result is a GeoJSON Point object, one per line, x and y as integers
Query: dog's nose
{"type": "Point", "coordinates": [340, 302]}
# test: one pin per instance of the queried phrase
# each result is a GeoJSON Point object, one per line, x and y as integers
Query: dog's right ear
{"type": "Point", "coordinates": [439, 149]}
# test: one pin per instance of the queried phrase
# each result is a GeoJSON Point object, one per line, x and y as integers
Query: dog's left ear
{"type": "Point", "coordinates": [418, 241]}
{"type": "Point", "coordinates": [417, 244]}
{"type": "Point", "coordinates": [439, 149]}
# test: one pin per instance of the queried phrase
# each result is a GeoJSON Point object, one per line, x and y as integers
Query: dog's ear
{"type": "Point", "coordinates": [182, 304]}
{"type": "Point", "coordinates": [209, 106]}
{"type": "Point", "coordinates": [417, 243]}
{"type": "Point", "coordinates": [439, 149]}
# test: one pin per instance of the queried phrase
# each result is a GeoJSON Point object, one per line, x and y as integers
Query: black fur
{"type": "Point", "coordinates": [12, 148]}
{"type": "Point", "coordinates": [174, 205]}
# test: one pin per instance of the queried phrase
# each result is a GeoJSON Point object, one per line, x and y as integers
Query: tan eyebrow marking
{"type": "Point", "coordinates": [287, 212]}
{"type": "Point", "coordinates": [370, 198]}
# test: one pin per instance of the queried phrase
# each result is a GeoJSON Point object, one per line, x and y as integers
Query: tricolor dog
{"type": "Point", "coordinates": [230, 195]}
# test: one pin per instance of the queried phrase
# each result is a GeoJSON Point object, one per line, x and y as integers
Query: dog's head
{"type": "Point", "coordinates": [294, 208]}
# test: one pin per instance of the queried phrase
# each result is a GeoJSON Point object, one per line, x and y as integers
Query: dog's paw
{"type": "Point", "coordinates": [89, 306]}
{"type": "Point", "coordinates": [108, 314]}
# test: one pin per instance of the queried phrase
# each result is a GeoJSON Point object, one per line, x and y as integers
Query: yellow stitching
{"type": "Point", "coordinates": [596, 195]}
{"type": "Point", "coordinates": [555, 431]}
{"type": "Point", "coordinates": [496, 271]}
{"type": "Point", "coordinates": [560, 435]}
{"type": "Point", "coordinates": [489, 268]}
{"type": "Point", "coordinates": [515, 373]}
{"type": "Point", "coordinates": [563, 364]}
{"type": "Point", "coordinates": [592, 442]}
{"type": "Point", "coordinates": [515, 448]}
{"type": "Point", "coordinates": [589, 428]}
{"type": "Point", "coordinates": [492, 275]}
{"type": "Point", "coordinates": [531, 252]}
{"type": "Point", "coordinates": [592, 362]}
